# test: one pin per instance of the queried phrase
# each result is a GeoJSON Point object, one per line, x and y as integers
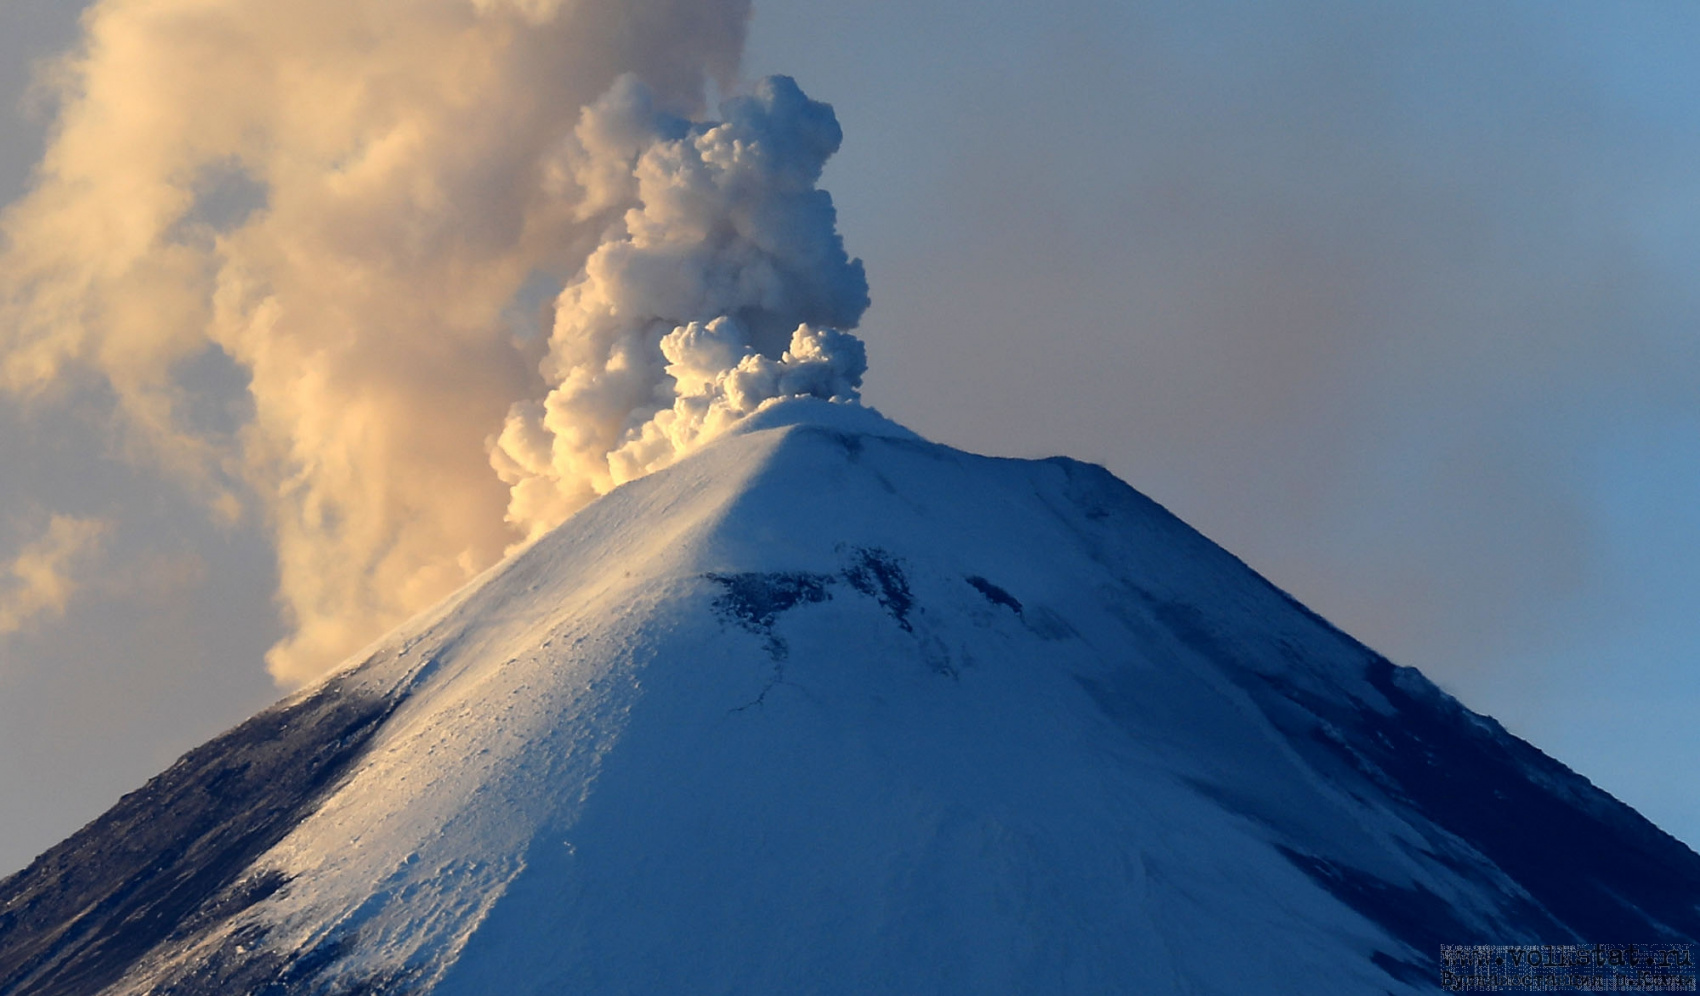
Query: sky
{"type": "Point", "coordinates": [1393, 301]}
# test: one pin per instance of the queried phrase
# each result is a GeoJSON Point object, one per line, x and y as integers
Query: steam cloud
{"type": "Point", "coordinates": [38, 581]}
{"type": "Point", "coordinates": [293, 247]}
{"type": "Point", "coordinates": [728, 259]}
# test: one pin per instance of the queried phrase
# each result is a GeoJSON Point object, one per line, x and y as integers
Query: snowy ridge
{"type": "Point", "coordinates": [826, 707]}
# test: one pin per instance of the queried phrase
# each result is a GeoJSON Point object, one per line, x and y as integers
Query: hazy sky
{"type": "Point", "coordinates": [1395, 301]}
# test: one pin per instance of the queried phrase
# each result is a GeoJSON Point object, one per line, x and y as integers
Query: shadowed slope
{"type": "Point", "coordinates": [175, 851]}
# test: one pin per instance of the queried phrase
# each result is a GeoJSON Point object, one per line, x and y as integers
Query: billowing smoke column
{"type": "Point", "coordinates": [722, 287]}
{"type": "Point", "coordinates": [325, 222]}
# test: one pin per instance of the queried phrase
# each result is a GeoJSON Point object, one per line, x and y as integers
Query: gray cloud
{"type": "Point", "coordinates": [38, 581]}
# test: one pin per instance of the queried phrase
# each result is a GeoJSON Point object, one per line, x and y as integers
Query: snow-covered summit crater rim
{"type": "Point", "coordinates": [843, 416]}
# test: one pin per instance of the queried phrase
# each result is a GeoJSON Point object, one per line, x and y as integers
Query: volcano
{"type": "Point", "coordinates": [828, 708]}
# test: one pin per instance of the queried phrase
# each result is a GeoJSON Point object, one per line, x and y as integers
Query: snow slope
{"type": "Point", "coordinates": [828, 708]}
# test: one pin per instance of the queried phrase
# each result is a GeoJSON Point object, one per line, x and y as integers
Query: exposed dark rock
{"type": "Point", "coordinates": [756, 599]}
{"type": "Point", "coordinates": [994, 594]}
{"type": "Point", "coordinates": [878, 575]}
{"type": "Point", "coordinates": [174, 856]}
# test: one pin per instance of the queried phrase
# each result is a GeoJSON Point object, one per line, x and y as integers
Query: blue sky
{"type": "Point", "coordinates": [1394, 301]}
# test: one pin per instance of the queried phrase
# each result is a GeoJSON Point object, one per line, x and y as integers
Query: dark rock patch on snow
{"type": "Point", "coordinates": [878, 575]}
{"type": "Point", "coordinates": [244, 966]}
{"type": "Point", "coordinates": [251, 890]}
{"type": "Point", "coordinates": [994, 594]}
{"type": "Point", "coordinates": [755, 599]}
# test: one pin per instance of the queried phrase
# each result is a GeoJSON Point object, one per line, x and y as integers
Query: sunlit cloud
{"type": "Point", "coordinates": [288, 243]}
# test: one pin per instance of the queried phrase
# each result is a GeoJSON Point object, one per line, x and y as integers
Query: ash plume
{"type": "Point", "coordinates": [288, 250]}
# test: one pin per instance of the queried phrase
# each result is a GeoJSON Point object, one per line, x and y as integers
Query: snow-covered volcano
{"type": "Point", "coordinates": [827, 708]}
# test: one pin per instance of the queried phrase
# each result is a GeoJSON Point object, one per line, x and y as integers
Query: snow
{"type": "Point", "coordinates": [827, 708]}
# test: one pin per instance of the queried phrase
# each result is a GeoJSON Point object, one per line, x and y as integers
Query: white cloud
{"type": "Point", "coordinates": [724, 285]}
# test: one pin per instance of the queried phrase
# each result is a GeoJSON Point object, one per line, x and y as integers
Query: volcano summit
{"type": "Point", "coordinates": [824, 707]}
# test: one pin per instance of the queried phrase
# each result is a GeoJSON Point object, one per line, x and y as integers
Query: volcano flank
{"type": "Point", "coordinates": [825, 707]}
